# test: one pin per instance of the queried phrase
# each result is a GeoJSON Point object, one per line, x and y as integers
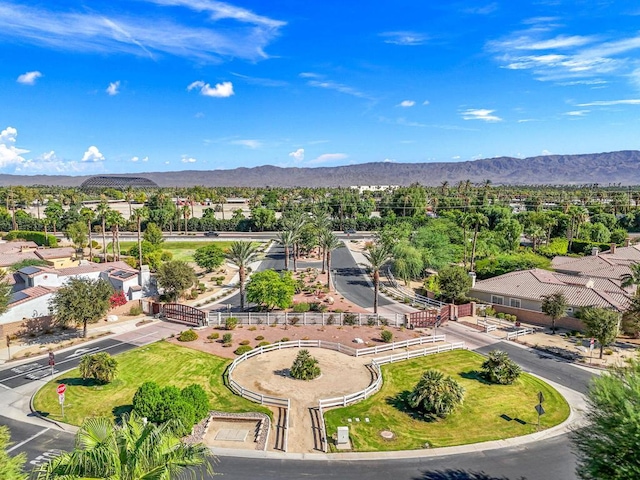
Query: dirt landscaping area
{"type": "Point", "coordinates": [344, 335]}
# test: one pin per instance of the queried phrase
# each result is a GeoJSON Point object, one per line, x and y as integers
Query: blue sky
{"type": "Point", "coordinates": [156, 85]}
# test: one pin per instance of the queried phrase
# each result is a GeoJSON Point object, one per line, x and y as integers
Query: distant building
{"type": "Point", "coordinates": [119, 183]}
{"type": "Point", "coordinates": [374, 188]}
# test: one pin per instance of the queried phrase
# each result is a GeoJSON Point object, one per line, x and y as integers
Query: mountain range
{"type": "Point", "coordinates": [622, 167]}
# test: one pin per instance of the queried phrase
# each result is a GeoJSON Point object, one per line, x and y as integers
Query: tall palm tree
{"type": "Point", "coordinates": [478, 220]}
{"type": "Point", "coordinates": [377, 256]}
{"type": "Point", "coordinates": [296, 223]}
{"type": "Point", "coordinates": [632, 278]}
{"type": "Point", "coordinates": [186, 212]}
{"type": "Point", "coordinates": [129, 196]}
{"type": "Point", "coordinates": [132, 450]}
{"type": "Point", "coordinates": [286, 238]}
{"type": "Point", "coordinates": [89, 216]}
{"type": "Point", "coordinates": [139, 214]}
{"type": "Point", "coordinates": [103, 211]}
{"type": "Point", "coordinates": [329, 242]}
{"type": "Point", "coordinates": [115, 220]}
{"type": "Point", "coordinates": [242, 254]}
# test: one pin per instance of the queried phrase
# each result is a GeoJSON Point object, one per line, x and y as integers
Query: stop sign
{"type": "Point", "coordinates": [61, 389]}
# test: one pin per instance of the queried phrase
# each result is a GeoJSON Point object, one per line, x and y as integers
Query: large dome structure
{"type": "Point", "coordinates": [119, 183]}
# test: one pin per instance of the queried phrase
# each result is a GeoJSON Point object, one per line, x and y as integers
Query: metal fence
{"type": "Point", "coordinates": [309, 318]}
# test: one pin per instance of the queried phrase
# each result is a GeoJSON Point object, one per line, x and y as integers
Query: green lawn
{"type": "Point", "coordinates": [162, 362]}
{"type": "Point", "coordinates": [181, 250]}
{"type": "Point", "coordinates": [489, 412]}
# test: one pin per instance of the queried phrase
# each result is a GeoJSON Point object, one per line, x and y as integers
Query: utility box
{"type": "Point", "coordinates": [343, 436]}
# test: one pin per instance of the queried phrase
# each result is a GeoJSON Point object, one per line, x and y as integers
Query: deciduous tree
{"type": "Point", "coordinates": [175, 277]}
{"type": "Point", "coordinates": [209, 257]}
{"type": "Point", "coordinates": [602, 324]}
{"type": "Point", "coordinates": [555, 306]}
{"type": "Point", "coordinates": [271, 290]}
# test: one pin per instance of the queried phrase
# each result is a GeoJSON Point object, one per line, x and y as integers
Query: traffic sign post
{"type": "Point", "coordinates": [539, 408]}
{"type": "Point", "coordinates": [61, 389]}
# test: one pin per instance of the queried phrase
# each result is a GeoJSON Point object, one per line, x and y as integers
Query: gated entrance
{"type": "Point", "coordinates": [430, 318]}
{"type": "Point", "coordinates": [184, 314]}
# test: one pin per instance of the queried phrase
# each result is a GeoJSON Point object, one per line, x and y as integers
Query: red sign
{"type": "Point", "coordinates": [61, 389]}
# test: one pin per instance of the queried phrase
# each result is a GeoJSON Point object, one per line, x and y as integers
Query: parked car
{"type": "Point", "coordinates": [349, 231]}
{"type": "Point", "coordinates": [211, 234]}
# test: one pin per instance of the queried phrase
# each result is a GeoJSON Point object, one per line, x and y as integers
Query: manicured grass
{"type": "Point", "coordinates": [162, 362]}
{"type": "Point", "coordinates": [489, 412]}
{"type": "Point", "coordinates": [181, 250]}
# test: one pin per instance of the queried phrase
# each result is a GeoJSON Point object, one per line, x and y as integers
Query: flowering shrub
{"type": "Point", "coordinates": [117, 299]}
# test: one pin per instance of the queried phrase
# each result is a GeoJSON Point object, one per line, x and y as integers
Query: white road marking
{"type": "Point", "coordinates": [27, 440]}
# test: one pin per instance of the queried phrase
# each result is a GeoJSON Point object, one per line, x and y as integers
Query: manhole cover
{"type": "Point", "coordinates": [386, 434]}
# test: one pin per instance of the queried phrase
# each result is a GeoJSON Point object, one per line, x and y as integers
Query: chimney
{"type": "Point", "coordinates": [594, 251]}
{"type": "Point", "coordinates": [627, 242]}
{"type": "Point", "coordinates": [472, 275]}
{"type": "Point", "coordinates": [613, 248]}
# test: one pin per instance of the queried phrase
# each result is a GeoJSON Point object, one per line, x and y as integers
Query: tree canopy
{"type": "Point", "coordinates": [10, 466]}
{"type": "Point", "coordinates": [209, 257]}
{"type": "Point", "coordinates": [81, 301]}
{"type": "Point", "coordinates": [270, 289]}
{"type": "Point", "coordinates": [602, 324]}
{"type": "Point", "coordinates": [436, 395]}
{"type": "Point", "coordinates": [454, 283]}
{"type": "Point", "coordinates": [555, 306]}
{"type": "Point", "coordinates": [175, 277]}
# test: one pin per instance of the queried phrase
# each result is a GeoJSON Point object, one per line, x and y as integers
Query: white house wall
{"type": "Point", "coordinates": [37, 307]}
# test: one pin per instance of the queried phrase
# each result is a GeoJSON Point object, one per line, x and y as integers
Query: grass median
{"type": "Point", "coordinates": [181, 250]}
{"type": "Point", "coordinates": [162, 362]}
{"type": "Point", "coordinates": [489, 412]}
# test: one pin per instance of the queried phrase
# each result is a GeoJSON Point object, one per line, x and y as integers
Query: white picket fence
{"type": "Point", "coordinates": [519, 333]}
{"type": "Point", "coordinates": [398, 357]}
{"type": "Point", "coordinates": [488, 327]}
{"type": "Point", "coordinates": [309, 318]}
{"type": "Point", "coordinates": [403, 344]}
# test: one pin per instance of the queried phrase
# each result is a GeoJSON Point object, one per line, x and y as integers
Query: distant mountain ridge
{"type": "Point", "coordinates": [603, 168]}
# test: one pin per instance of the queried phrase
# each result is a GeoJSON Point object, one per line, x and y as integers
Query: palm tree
{"type": "Point", "coordinates": [115, 220]}
{"type": "Point", "coordinates": [465, 221]}
{"type": "Point", "coordinates": [329, 242]}
{"type": "Point", "coordinates": [377, 256]}
{"type": "Point", "coordinates": [88, 215]}
{"type": "Point", "coordinates": [186, 212]}
{"type": "Point", "coordinates": [436, 395]}
{"type": "Point", "coordinates": [132, 450]}
{"type": "Point", "coordinates": [129, 196]}
{"type": "Point", "coordinates": [103, 211]}
{"type": "Point", "coordinates": [477, 220]}
{"type": "Point", "coordinates": [139, 214]}
{"type": "Point", "coordinates": [286, 238]}
{"type": "Point", "coordinates": [296, 223]}
{"type": "Point", "coordinates": [242, 254]}
{"type": "Point", "coordinates": [632, 278]}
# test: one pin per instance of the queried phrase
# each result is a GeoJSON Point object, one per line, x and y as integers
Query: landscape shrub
{"type": "Point", "coordinates": [101, 366]}
{"type": "Point", "coordinates": [146, 400]}
{"type": "Point", "coordinates": [187, 336]}
{"type": "Point", "coordinates": [557, 246]}
{"type": "Point", "coordinates": [263, 344]}
{"type": "Point", "coordinates": [387, 336]}
{"type": "Point", "coordinates": [259, 337]}
{"type": "Point", "coordinates": [350, 319]}
{"type": "Point", "coordinates": [197, 397]}
{"type": "Point", "coordinates": [500, 315]}
{"type": "Point", "coordinates": [294, 320]}
{"type": "Point", "coordinates": [301, 307]}
{"type": "Point", "coordinates": [372, 321]}
{"type": "Point", "coordinates": [38, 237]}
{"type": "Point", "coordinates": [489, 312]}
{"type": "Point", "coordinates": [305, 367]}
{"type": "Point", "coordinates": [510, 262]}
{"type": "Point", "coordinates": [213, 336]}
{"type": "Point", "coordinates": [500, 369]}
{"type": "Point", "coordinates": [135, 310]}
{"type": "Point", "coordinates": [331, 320]}
{"type": "Point", "coordinates": [117, 299]}
{"type": "Point", "coordinates": [436, 395]}
{"type": "Point", "coordinates": [284, 339]}
{"type": "Point", "coordinates": [242, 349]}
{"type": "Point", "coordinates": [244, 342]}
{"type": "Point", "coordinates": [226, 338]}
{"type": "Point", "coordinates": [231, 323]}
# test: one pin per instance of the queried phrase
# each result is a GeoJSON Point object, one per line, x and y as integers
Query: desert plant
{"type": "Point", "coordinates": [226, 338]}
{"type": "Point", "coordinates": [436, 395]}
{"type": "Point", "coordinates": [231, 323]}
{"type": "Point", "coordinates": [294, 321]}
{"type": "Point", "coordinates": [242, 349]}
{"type": "Point", "coordinates": [101, 366]}
{"type": "Point", "coordinates": [284, 339]}
{"type": "Point", "coordinates": [387, 336]}
{"type": "Point", "coordinates": [263, 344]}
{"type": "Point", "coordinates": [213, 336]}
{"type": "Point", "coordinates": [499, 368]}
{"type": "Point", "coordinates": [135, 311]}
{"type": "Point", "coordinates": [187, 336]}
{"type": "Point", "coordinates": [350, 319]}
{"type": "Point", "coordinates": [301, 307]}
{"type": "Point", "coordinates": [259, 337]}
{"type": "Point", "coordinates": [305, 367]}
{"type": "Point", "coordinates": [244, 342]}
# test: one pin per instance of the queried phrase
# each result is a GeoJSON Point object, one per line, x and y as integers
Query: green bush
{"type": "Point", "coordinates": [331, 320]}
{"type": "Point", "coordinates": [226, 338]}
{"type": "Point", "coordinates": [242, 349]}
{"type": "Point", "coordinates": [557, 246]}
{"type": "Point", "coordinates": [294, 321]}
{"type": "Point", "coordinates": [101, 366]}
{"type": "Point", "coordinates": [213, 336]}
{"type": "Point", "coordinates": [386, 335]}
{"type": "Point", "coordinates": [301, 307]}
{"type": "Point", "coordinates": [38, 237]}
{"type": "Point", "coordinates": [187, 336]}
{"type": "Point", "coordinates": [195, 395]}
{"type": "Point", "coordinates": [305, 367]}
{"type": "Point", "coordinates": [500, 315]}
{"type": "Point", "coordinates": [500, 369]}
{"type": "Point", "coordinates": [147, 399]}
{"type": "Point", "coordinates": [135, 310]}
{"type": "Point", "coordinates": [510, 262]}
{"type": "Point", "coordinates": [231, 323]}
{"type": "Point", "coordinates": [350, 319]}
{"type": "Point", "coordinates": [244, 342]}
{"type": "Point", "coordinates": [263, 344]}
{"type": "Point", "coordinates": [284, 339]}
{"type": "Point", "coordinates": [259, 337]}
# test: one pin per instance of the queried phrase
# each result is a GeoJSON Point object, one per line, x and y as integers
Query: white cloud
{"type": "Point", "coordinates": [135, 159]}
{"type": "Point", "coordinates": [249, 143]}
{"type": "Point", "coordinates": [546, 152]}
{"type": "Point", "coordinates": [480, 114]}
{"type": "Point", "coordinates": [404, 38]}
{"type": "Point", "coordinates": [328, 157]}
{"type": "Point", "coordinates": [608, 103]}
{"type": "Point", "coordinates": [145, 159]}
{"type": "Point", "coordinates": [406, 103]}
{"type": "Point", "coordinates": [92, 155]}
{"type": "Point", "coordinates": [389, 160]}
{"type": "Point", "coordinates": [9, 153]}
{"type": "Point", "coordinates": [338, 87]}
{"type": "Point", "coordinates": [426, 102]}
{"type": "Point", "coordinates": [221, 90]}
{"type": "Point", "coordinates": [298, 155]}
{"type": "Point", "coordinates": [167, 162]}
{"type": "Point", "coordinates": [113, 88]}
{"type": "Point", "coordinates": [220, 32]}
{"type": "Point", "coordinates": [457, 157]}
{"type": "Point", "coordinates": [187, 159]}
{"type": "Point", "coordinates": [29, 78]}
{"type": "Point", "coordinates": [481, 10]}
{"type": "Point", "coordinates": [577, 113]}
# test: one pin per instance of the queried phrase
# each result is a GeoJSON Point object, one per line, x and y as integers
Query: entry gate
{"type": "Point", "coordinates": [430, 318]}
{"type": "Point", "coordinates": [178, 312]}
